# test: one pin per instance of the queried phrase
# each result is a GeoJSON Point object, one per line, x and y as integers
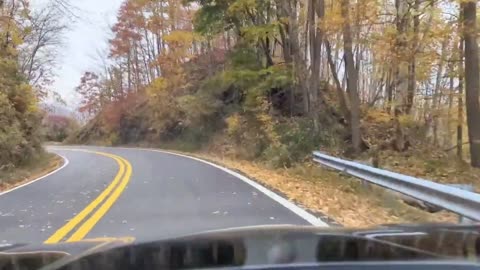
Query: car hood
{"type": "Point", "coordinates": [404, 241]}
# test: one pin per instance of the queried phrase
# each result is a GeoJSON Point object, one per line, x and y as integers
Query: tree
{"type": "Point", "coordinates": [38, 54]}
{"type": "Point", "coordinates": [93, 96]}
{"type": "Point", "coordinates": [472, 83]}
{"type": "Point", "coordinates": [460, 109]}
{"type": "Point", "coordinates": [19, 115]}
{"type": "Point", "coordinates": [352, 78]}
{"type": "Point", "coordinates": [315, 8]}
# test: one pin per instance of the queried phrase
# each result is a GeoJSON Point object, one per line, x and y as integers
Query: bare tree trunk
{"type": "Point", "coordinates": [310, 27]}
{"type": "Point", "coordinates": [129, 70]}
{"type": "Point", "coordinates": [413, 58]}
{"type": "Point", "coordinates": [436, 92]}
{"type": "Point", "coordinates": [472, 82]}
{"type": "Point", "coordinates": [340, 93]}
{"type": "Point", "coordinates": [290, 10]}
{"type": "Point", "coordinates": [284, 31]}
{"type": "Point", "coordinates": [352, 78]}
{"type": "Point", "coordinates": [460, 99]}
{"type": "Point", "coordinates": [448, 135]}
{"type": "Point", "coordinates": [298, 64]}
{"type": "Point", "coordinates": [316, 38]}
{"type": "Point", "coordinates": [401, 81]}
{"type": "Point", "coordinates": [389, 90]}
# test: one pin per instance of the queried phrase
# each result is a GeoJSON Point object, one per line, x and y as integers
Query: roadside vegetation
{"type": "Point", "coordinates": [28, 43]}
{"type": "Point", "coordinates": [29, 170]}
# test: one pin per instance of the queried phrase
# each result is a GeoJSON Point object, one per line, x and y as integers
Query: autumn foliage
{"type": "Point", "coordinates": [277, 79]}
{"type": "Point", "coordinates": [20, 118]}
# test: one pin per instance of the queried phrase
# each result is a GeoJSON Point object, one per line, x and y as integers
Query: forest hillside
{"type": "Point", "coordinates": [273, 80]}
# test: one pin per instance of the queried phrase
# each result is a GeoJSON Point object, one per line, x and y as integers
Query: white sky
{"type": "Point", "coordinates": [85, 40]}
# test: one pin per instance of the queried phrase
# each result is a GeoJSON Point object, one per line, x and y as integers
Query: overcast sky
{"type": "Point", "coordinates": [83, 42]}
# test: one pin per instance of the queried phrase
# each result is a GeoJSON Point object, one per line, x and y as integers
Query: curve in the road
{"type": "Point", "coordinates": [168, 194]}
{"type": "Point", "coordinates": [310, 218]}
{"type": "Point", "coordinates": [102, 203]}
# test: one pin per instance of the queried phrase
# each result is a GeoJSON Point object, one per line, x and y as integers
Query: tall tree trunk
{"type": "Point", "coordinates": [472, 82]}
{"type": "Point", "coordinates": [129, 70]}
{"type": "Point", "coordinates": [460, 98]}
{"type": "Point", "coordinates": [413, 58]}
{"type": "Point", "coordinates": [298, 64]}
{"type": "Point", "coordinates": [310, 27]}
{"type": "Point", "coordinates": [316, 38]}
{"type": "Point", "coordinates": [284, 30]}
{"type": "Point", "coordinates": [341, 95]}
{"type": "Point", "coordinates": [401, 80]}
{"type": "Point", "coordinates": [436, 92]}
{"type": "Point", "coordinates": [352, 78]}
{"type": "Point", "coordinates": [289, 10]}
{"type": "Point", "coordinates": [389, 84]}
{"type": "Point", "coordinates": [451, 92]}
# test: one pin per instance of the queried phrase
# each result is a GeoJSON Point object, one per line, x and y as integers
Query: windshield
{"type": "Point", "coordinates": [146, 120]}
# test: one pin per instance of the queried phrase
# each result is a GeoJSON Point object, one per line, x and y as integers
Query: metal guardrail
{"type": "Point", "coordinates": [462, 202]}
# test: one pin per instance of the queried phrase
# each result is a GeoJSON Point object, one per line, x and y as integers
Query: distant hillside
{"type": "Point", "coordinates": [57, 109]}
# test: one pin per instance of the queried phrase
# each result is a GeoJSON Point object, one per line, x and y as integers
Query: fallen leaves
{"type": "Point", "coordinates": [341, 198]}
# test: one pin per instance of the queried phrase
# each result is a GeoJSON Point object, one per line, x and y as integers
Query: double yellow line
{"type": "Point", "coordinates": [102, 204]}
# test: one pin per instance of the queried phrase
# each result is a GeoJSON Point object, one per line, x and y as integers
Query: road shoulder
{"type": "Point", "coordinates": [42, 167]}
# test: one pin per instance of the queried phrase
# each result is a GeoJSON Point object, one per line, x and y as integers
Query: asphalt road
{"type": "Point", "coordinates": [117, 192]}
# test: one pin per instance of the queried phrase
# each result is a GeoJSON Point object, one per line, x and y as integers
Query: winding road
{"type": "Point", "coordinates": [140, 193]}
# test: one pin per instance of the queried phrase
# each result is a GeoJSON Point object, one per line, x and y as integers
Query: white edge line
{"type": "Point", "coordinates": [279, 199]}
{"type": "Point", "coordinates": [65, 163]}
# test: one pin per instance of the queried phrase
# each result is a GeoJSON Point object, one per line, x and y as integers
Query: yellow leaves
{"type": "Point", "coordinates": [376, 116]}
{"type": "Point", "coordinates": [333, 21]}
{"type": "Point", "coordinates": [16, 38]}
{"type": "Point", "coordinates": [31, 101]}
{"type": "Point", "coordinates": [406, 120]}
{"type": "Point", "coordinates": [269, 128]}
{"type": "Point", "coordinates": [179, 37]}
{"type": "Point", "coordinates": [179, 48]}
{"type": "Point", "coordinates": [240, 6]}
{"type": "Point", "coordinates": [258, 32]}
{"type": "Point", "coordinates": [157, 86]}
{"type": "Point", "coordinates": [363, 13]}
{"type": "Point", "coordinates": [233, 124]}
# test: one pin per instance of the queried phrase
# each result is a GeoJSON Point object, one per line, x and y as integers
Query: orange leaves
{"type": "Point", "coordinates": [153, 35]}
{"type": "Point", "coordinates": [130, 20]}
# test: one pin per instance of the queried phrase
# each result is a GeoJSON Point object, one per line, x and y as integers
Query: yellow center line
{"type": "Point", "coordinates": [67, 228]}
{"type": "Point", "coordinates": [88, 225]}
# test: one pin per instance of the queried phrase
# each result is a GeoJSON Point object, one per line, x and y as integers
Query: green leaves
{"type": "Point", "coordinates": [210, 20]}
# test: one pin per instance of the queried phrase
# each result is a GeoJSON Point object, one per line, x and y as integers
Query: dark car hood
{"type": "Point", "coordinates": [333, 243]}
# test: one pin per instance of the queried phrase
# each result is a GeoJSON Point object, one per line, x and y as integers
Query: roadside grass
{"type": "Point", "coordinates": [340, 197]}
{"type": "Point", "coordinates": [31, 170]}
